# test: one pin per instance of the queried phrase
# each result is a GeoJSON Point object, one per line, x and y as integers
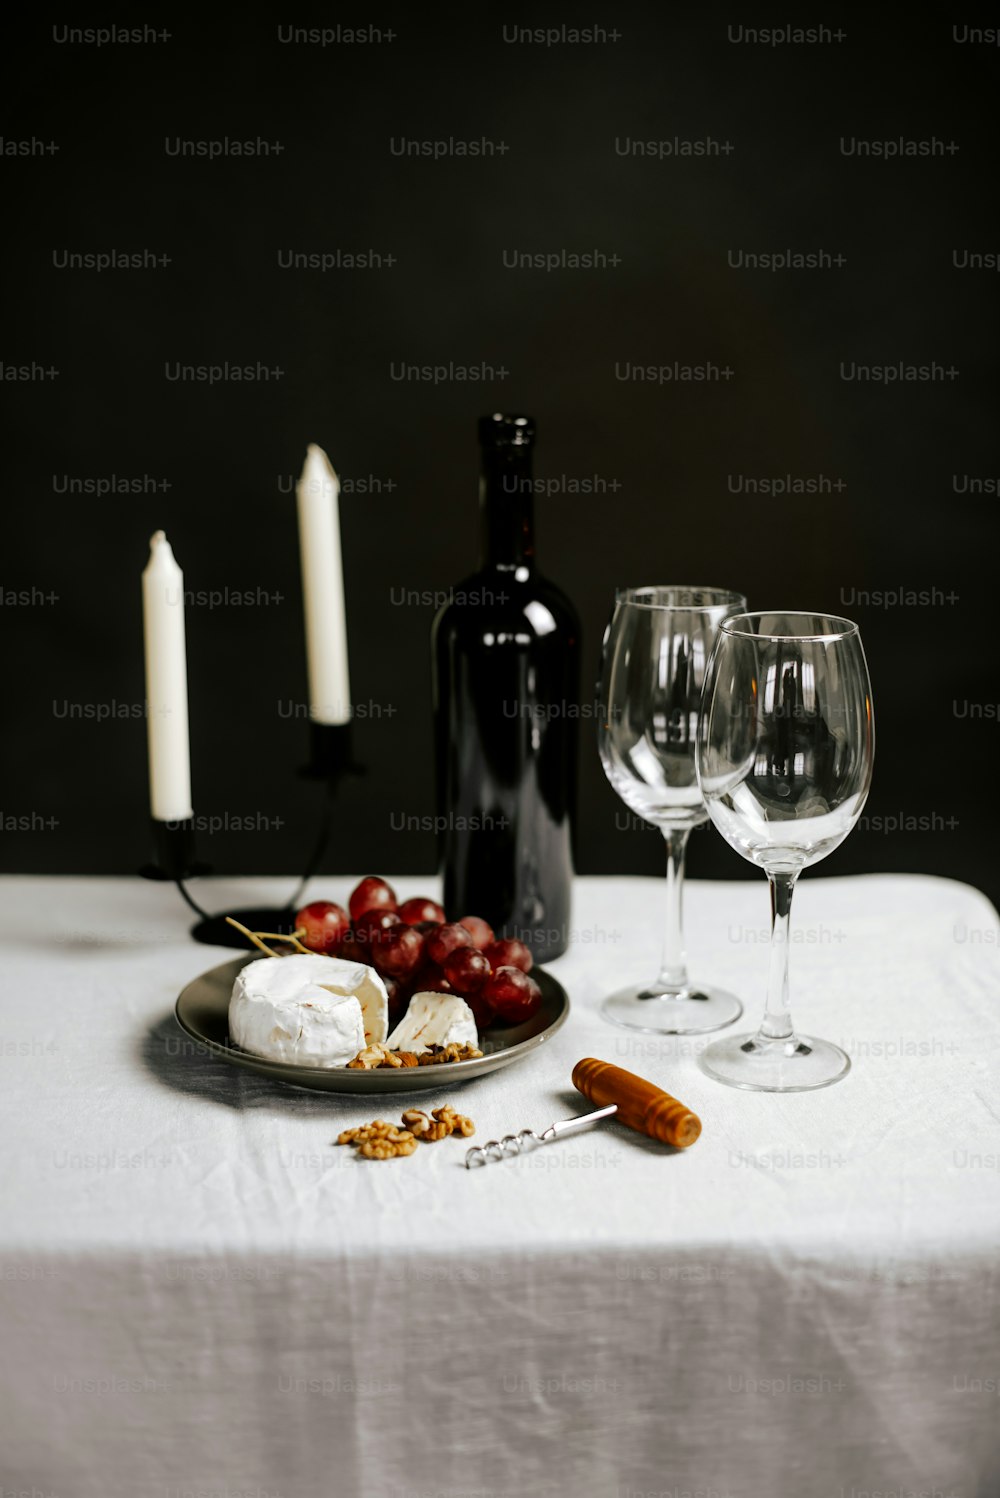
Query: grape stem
{"type": "Point", "coordinates": [293, 938]}
{"type": "Point", "coordinates": [250, 935]}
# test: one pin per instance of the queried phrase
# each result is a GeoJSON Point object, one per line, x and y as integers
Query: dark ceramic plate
{"type": "Point", "coordinates": [203, 1012]}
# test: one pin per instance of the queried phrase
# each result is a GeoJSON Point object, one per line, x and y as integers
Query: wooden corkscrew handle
{"type": "Point", "coordinates": [641, 1105]}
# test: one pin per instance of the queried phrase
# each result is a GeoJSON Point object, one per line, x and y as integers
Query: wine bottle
{"type": "Point", "coordinates": [506, 654]}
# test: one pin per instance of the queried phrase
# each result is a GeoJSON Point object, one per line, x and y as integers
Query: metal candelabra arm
{"type": "Point", "coordinates": [331, 760]}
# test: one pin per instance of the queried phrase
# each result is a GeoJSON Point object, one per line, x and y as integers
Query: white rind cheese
{"type": "Point", "coordinates": [434, 1019]}
{"type": "Point", "coordinates": [308, 1010]}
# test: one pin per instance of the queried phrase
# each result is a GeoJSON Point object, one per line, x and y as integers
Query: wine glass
{"type": "Point", "coordinates": [785, 762]}
{"type": "Point", "coordinates": [656, 652]}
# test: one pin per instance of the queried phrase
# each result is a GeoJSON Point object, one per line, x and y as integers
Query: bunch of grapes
{"type": "Point", "coordinates": [415, 949]}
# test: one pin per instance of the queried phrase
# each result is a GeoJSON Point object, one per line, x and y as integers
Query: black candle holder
{"type": "Point", "coordinates": [331, 760]}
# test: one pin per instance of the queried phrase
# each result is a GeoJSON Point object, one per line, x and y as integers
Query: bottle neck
{"type": "Point", "coordinates": [507, 505]}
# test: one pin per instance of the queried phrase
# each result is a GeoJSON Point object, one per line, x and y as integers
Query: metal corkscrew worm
{"type": "Point", "coordinates": [527, 1140]}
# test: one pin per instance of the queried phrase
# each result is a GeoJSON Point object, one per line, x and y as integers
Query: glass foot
{"type": "Point", "coordinates": [686, 1011]}
{"type": "Point", "coordinates": [757, 1064]}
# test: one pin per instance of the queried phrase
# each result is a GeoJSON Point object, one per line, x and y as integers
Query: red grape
{"type": "Point", "coordinates": [481, 933]}
{"type": "Point", "coordinates": [430, 979]}
{"type": "Point", "coordinates": [444, 940]}
{"type": "Point", "coordinates": [514, 995]}
{"type": "Point", "coordinates": [417, 910]}
{"type": "Point", "coordinates": [371, 894]}
{"type": "Point", "coordinates": [466, 970]}
{"type": "Point", "coordinates": [350, 951]}
{"type": "Point", "coordinates": [508, 952]}
{"type": "Point", "coordinates": [482, 1010]}
{"type": "Point", "coordinates": [398, 997]}
{"type": "Point", "coordinates": [372, 930]}
{"type": "Point", "coordinates": [325, 925]}
{"type": "Point", "coordinates": [398, 951]}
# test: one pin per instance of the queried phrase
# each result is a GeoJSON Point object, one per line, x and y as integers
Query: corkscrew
{"type": "Point", "coordinates": [520, 1144]}
{"type": "Point", "coordinates": [639, 1104]}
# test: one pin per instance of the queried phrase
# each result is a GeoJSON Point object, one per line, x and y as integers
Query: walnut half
{"type": "Point", "coordinates": [365, 1132]}
{"type": "Point", "coordinates": [368, 1059]}
{"type": "Point", "coordinates": [423, 1127]}
{"type": "Point", "coordinates": [445, 1121]}
{"type": "Point", "coordinates": [457, 1123]}
{"type": "Point", "coordinates": [440, 1055]}
{"type": "Point", "coordinates": [401, 1143]}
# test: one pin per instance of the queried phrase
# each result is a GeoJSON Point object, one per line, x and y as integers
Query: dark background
{"type": "Point", "coordinates": [74, 789]}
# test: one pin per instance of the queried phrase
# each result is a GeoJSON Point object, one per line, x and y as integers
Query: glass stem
{"type": "Point", "coordinates": [777, 1024]}
{"type": "Point", "coordinates": [673, 969]}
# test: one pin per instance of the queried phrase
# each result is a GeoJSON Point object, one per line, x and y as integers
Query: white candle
{"type": "Point", "coordinates": [166, 684]}
{"type": "Point", "coordinates": [323, 589]}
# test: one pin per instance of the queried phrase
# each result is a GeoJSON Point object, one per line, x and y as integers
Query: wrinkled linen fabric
{"type": "Point", "coordinates": [200, 1294]}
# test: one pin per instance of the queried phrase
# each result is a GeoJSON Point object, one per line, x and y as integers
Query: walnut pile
{"type": "Point", "coordinates": [377, 1055]}
{"type": "Point", "coordinates": [380, 1140]}
{"type": "Point", "coordinates": [439, 1055]}
{"type": "Point", "coordinates": [384, 1141]}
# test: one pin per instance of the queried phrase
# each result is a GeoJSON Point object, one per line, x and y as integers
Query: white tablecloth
{"type": "Point", "coordinates": [201, 1295]}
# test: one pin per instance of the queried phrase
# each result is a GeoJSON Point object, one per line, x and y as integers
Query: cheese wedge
{"type": "Point", "coordinates": [434, 1019]}
{"type": "Point", "coordinates": [307, 1010]}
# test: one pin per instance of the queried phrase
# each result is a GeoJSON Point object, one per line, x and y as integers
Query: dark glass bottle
{"type": "Point", "coordinates": [506, 651]}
